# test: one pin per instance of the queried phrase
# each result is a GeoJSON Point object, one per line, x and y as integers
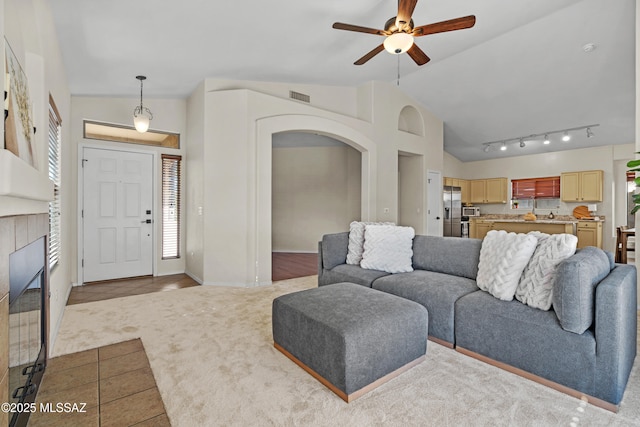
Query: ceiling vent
{"type": "Point", "coordinates": [299, 96]}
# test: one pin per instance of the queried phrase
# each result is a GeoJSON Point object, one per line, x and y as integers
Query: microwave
{"type": "Point", "coordinates": [470, 211]}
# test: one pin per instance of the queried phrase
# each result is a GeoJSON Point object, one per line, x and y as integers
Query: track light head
{"type": "Point", "coordinates": [522, 144]}
{"type": "Point", "coordinates": [566, 137]}
{"type": "Point", "coordinates": [546, 141]}
{"type": "Point", "coordinates": [589, 133]}
{"type": "Point", "coordinates": [486, 148]}
{"type": "Point", "coordinates": [504, 147]}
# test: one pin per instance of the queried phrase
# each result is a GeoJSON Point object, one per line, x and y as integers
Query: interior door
{"type": "Point", "coordinates": [117, 214]}
{"type": "Point", "coordinates": [434, 203]}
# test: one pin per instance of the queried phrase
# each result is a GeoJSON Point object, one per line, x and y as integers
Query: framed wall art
{"type": "Point", "coordinates": [18, 117]}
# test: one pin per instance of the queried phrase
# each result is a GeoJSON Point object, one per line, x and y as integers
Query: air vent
{"type": "Point", "coordinates": [299, 96]}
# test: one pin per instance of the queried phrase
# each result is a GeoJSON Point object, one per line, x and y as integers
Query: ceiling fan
{"type": "Point", "coordinates": [400, 32]}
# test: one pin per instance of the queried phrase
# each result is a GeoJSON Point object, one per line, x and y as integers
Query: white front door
{"type": "Point", "coordinates": [117, 214]}
{"type": "Point", "coordinates": [434, 203]}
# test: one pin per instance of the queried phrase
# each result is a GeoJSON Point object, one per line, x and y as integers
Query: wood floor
{"type": "Point", "coordinates": [288, 265]}
{"type": "Point", "coordinates": [285, 265]}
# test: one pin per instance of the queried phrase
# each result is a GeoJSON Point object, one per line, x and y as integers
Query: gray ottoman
{"type": "Point", "coordinates": [350, 337]}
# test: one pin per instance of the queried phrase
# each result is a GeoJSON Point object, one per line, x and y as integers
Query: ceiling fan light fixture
{"type": "Point", "coordinates": [398, 43]}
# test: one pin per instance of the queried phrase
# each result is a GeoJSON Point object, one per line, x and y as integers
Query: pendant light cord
{"type": "Point", "coordinates": [398, 70]}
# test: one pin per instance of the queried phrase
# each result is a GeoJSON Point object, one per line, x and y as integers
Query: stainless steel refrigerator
{"type": "Point", "coordinates": [452, 211]}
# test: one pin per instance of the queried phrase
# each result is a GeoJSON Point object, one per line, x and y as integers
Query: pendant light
{"type": "Point", "coordinates": [141, 114]}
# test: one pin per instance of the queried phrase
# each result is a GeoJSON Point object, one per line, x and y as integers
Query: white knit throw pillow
{"type": "Point", "coordinates": [388, 248]}
{"type": "Point", "coordinates": [536, 283]}
{"type": "Point", "coordinates": [356, 240]}
{"type": "Point", "coordinates": [503, 257]}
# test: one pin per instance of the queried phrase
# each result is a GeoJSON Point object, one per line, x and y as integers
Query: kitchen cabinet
{"type": "Point", "coordinates": [465, 196]}
{"type": "Point", "coordinates": [589, 234]}
{"type": "Point", "coordinates": [583, 186]}
{"type": "Point", "coordinates": [490, 190]}
{"type": "Point", "coordinates": [479, 228]}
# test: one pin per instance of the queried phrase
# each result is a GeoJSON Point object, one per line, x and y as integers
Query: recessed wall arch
{"type": "Point", "coordinates": [410, 120]}
{"type": "Point", "coordinates": [265, 128]}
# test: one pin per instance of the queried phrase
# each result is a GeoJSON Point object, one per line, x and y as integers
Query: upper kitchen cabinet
{"type": "Point", "coordinates": [583, 186]}
{"type": "Point", "coordinates": [465, 194]}
{"type": "Point", "coordinates": [491, 190]}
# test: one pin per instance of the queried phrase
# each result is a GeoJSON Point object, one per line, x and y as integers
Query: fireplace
{"type": "Point", "coordinates": [28, 275]}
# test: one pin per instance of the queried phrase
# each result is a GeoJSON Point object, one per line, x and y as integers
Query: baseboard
{"type": "Point", "coordinates": [194, 277]}
{"type": "Point", "coordinates": [293, 252]}
{"type": "Point", "coordinates": [528, 375]}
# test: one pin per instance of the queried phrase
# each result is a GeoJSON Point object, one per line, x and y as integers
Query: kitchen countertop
{"type": "Point", "coordinates": [560, 219]}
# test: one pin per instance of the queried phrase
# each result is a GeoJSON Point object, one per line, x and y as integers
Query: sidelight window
{"type": "Point", "coordinates": [170, 206]}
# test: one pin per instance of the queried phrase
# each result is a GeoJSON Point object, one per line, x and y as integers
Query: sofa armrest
{"type": "Point", "coordinates": [615, 331]}
{"type": "Point", "coordinates": [333, 249]}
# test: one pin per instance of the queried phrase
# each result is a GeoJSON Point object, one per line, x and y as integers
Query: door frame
{"type": "Point", "coordinates": [80, 204]}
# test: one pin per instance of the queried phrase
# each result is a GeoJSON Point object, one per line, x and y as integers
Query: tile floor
{"type": "Point", "coordinates": [115, 382]}
{"type": "Point", "coordinates": [99, 291]}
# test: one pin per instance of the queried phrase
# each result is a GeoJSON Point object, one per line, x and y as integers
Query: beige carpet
{"type": "Point", "coordinates": [211, 351]}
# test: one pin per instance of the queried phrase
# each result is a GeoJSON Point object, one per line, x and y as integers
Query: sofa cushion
{"type": "Point", "coordinates": [526, 338]}
{"type": "Point", "coordinates": [350, 273]}
{"type": "Point", "coordinates": [503, 257]}
{"type": "Point", "coordinates": [575, 286]}
{"type": "Point", "coordinates": [438, 292]}
{"type": "Point", "coordinates": [388, 248]}
{"type": "Point", "coordinates": [536, 283]}
{"type": "Point", "coordinates": [446, 255]}
{"type": "Point", "coordinates": [356, 240]}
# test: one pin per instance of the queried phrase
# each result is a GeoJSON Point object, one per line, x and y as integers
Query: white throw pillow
{"type": "Point", "coordinates": [503, 257]}
{"type": "Point", "coordinates": [536, 283]}
{"type": "Point", "coordinates": [388, 248]}
{"type": "Point", "coordinates": [356, 240]}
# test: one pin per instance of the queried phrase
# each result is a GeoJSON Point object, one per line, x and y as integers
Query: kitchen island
{"type": "Point", "coordinates": [589, 232]}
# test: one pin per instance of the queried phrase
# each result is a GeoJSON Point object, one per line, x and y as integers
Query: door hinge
{"type": "Point", "coordinates": [82, 262]}
{"type": "Point", "coordinates": [82, 213]}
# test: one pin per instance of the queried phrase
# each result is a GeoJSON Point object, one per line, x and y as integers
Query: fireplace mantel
{"type": "Point", "coordinates": [20, 180]}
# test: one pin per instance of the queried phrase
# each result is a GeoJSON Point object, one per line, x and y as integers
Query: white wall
{"type": "Point", "coordinates": [313, 194]}
{"type": "Point", "coordinates": [168, 115]}
{"type": "Point", "coordinates": [237, 161]}
{"type": "Point", "coordinates": [28, 27]}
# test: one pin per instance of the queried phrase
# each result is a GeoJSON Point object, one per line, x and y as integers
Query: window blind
{"type": "Point", "coordinates": [170, 206]}
{"type": "Point", "coordinates": [55, 146]}
{"type": "Point", "coordinates": [536, 188]}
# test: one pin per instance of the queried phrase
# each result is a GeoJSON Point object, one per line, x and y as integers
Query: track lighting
{"type": "Point", "coordinates": [141, 114]}
{"type": "Point", "coordinates": [486, 146]}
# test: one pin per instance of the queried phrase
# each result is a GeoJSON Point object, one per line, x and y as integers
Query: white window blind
{"type": "Point", "coordinates": [170, 206]}
{"type": "Point", "coordinates": [55, 145]}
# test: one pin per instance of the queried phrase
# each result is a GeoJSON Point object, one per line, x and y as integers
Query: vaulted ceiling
{"type": "Point", "coordinates": [521, 70]}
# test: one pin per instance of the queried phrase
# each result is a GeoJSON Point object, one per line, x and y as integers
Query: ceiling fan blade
{"type": "Point", "coordinates": [418, 55]}
{"type": "Point", "coordinates": [369, 55]}
{"type": "Point", "coordinates": [444, 26]}
{"type": "Point", "coordinates": [405, 10]}
{"type": "Point", "coordinates": [358, 29]}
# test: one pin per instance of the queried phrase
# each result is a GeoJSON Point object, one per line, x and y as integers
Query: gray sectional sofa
{"type": "Point", "coordinates": [584, 346]}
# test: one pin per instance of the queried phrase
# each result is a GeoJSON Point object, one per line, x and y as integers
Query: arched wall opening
{"type": "Point", "coordinates": [265, 130]}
